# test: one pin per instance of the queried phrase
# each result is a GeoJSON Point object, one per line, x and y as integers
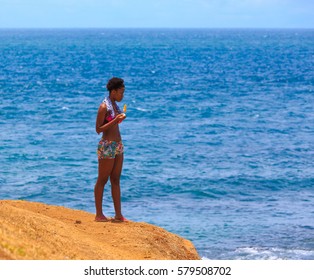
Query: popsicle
{"type": "Point", "coordinates": [124, 111]}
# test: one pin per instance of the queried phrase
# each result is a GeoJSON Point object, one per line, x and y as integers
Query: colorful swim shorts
{"type": "Point", "coordinates": [109, 149]}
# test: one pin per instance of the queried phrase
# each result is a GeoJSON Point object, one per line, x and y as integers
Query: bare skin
{"type": "Point", "coordinates": [109, 168]}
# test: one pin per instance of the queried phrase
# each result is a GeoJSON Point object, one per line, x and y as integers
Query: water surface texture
{"type": "Point", "coordinates": [219, 138]}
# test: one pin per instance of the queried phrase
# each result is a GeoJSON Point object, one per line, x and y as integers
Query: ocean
{"type": "Point", "coordinates": [219, 136]}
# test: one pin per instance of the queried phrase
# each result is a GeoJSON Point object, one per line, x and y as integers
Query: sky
{"type": "Point", "coordinates": [156, 13]}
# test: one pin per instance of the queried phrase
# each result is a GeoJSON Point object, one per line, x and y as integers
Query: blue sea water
{"type": "Point", "coordinates": [219, 133]}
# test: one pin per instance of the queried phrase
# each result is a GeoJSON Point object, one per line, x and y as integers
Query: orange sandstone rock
{"type": "Point", "coordinates": [37, 231]}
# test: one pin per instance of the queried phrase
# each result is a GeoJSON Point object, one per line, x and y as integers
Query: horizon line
{"type": "Point", "coordinates": [156, 28]}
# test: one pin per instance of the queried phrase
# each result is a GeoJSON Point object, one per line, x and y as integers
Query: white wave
{"type": "Point", "coordinates": [258, 253]}
{"type": "Point", "coordinates": [142, 109]}
{"type": "Point", "coordinates": [273, 253]}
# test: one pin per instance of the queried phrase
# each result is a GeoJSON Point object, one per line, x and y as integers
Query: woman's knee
{"type": "Point", "coordinates": [102, 181]}
{"type": "Point", "coordinates": [115, 180]}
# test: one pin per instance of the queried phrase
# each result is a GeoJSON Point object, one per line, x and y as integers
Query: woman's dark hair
{"type": "Point", "coordinates": [115, 83]}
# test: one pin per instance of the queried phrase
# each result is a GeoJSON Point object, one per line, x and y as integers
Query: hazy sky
{"type": "Point", "coordinates": [157, 13]}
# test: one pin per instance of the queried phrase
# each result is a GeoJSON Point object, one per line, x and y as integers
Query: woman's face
{"type": "Point", "coordinates": [118, 94]}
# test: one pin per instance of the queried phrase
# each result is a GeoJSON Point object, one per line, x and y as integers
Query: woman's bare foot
{"type": "Point", "coordinates": [101, 219]}
{"type": "Point", "coordinates": [120, 219]}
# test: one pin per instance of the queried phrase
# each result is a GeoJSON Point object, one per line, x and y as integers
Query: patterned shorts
{"type": "Point", "coordinates": [109, 149]}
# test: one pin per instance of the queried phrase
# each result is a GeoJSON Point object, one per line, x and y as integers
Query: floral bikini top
{"type": "Point", "coordinates": [112, 108]}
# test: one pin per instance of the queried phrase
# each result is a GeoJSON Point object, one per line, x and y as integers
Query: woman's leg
{"type": "Point", "coordinates": [105, 167]}
{"type": "Point", "coordinates": [115, 185]}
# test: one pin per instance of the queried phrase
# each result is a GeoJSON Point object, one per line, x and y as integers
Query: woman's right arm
{"type": "Point", "coordinates": [101, 115]}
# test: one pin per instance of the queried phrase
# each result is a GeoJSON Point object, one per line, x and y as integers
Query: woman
{"type": "Point", "coordinates": [110, 149]}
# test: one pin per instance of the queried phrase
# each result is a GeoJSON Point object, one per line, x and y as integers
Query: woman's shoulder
{"type": "Point", "coordinates": [102, 107]}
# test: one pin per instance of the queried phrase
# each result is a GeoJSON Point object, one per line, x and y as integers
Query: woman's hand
{"type": "Point", "coordinates": [120, 117]}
